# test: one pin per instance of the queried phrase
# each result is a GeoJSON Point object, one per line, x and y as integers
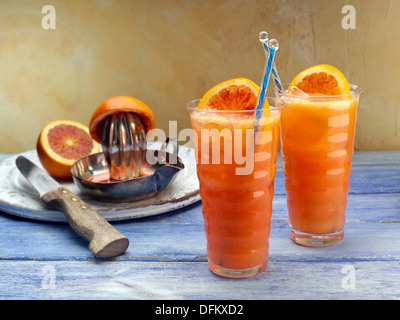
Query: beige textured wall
{"type": "Point", "coordinates": [166, 52]}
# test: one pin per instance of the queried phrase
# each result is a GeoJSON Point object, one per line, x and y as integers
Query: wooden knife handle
{"type": "Point", "coordinates": [105, 240]}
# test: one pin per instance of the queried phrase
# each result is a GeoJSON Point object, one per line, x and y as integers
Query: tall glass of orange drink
{"type": "Point", "coordinates": [236, 168]}
{"type": "Point", "coordinates": [317, 136]}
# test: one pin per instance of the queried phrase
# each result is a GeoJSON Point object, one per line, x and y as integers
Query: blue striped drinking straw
{"type": "Point", "coordinates": [273, 47]}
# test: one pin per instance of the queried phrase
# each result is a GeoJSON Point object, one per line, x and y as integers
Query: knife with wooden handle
{"type": "Point", "coordinates": [105, 240]}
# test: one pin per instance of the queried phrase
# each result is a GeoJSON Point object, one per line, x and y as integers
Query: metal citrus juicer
{"type": "Point", "coordinates": [124, 144]}
{"type": "Point", "coordinates": [126, 170]}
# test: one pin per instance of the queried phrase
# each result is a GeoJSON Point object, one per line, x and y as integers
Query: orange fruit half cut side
{"type": "Point", "coordinates": [322, 79]}
{"type": "Point", "coordinates": [120, 104]}
{"type": "Point", "coordinates": [61, 143]}
{"type": "Point", "coordinates": [234, 94]}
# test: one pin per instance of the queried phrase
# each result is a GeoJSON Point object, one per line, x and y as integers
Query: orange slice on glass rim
{"type": "Point", "coordinates": [322, 79]}
{"type": "Point", "coordinates": [234, 94]}
{"type": "Point", "coordinates": [61, 143]}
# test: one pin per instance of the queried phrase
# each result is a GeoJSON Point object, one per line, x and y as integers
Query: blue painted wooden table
{"type": "Point", "coordinates": [167, 254]}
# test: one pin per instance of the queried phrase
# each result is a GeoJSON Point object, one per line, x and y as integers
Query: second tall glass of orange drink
{"type": "Point", "coordinates": [317, 136]}
{"type": "Point", "coordinates": [236, 170]}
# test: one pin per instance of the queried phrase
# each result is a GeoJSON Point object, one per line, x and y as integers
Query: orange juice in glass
{"type": "Point", "coordinates": [317, 136]}
{"type": "Point", "coordinates": [236, 170]}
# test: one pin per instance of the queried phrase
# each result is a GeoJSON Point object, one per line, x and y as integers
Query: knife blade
{"type": "Point", "coordinates": [104, 240]}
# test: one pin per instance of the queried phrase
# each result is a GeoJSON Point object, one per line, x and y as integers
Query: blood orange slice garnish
{"type": "Point", "coordinates": [61, 143]}
{"type": "Point", "coordinates": [322, 79]}
{"type": "Point", "coordinates": [234, 94]}
{"type": "Point", "coordinates": [120, 104]}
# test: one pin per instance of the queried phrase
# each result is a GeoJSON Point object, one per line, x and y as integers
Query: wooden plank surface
{"type": "Point", "coordinates": [193, 280]}
{"type": "Point", "coordinates": [167, 255]}
{"type": "Point", "coordinates": [372, 228]}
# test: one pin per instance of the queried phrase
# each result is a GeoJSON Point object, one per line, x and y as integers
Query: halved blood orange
{"type": "Point", "coordinates": [234, 94]}
{"type": "Point", "coordinates": [322, 79]}
{"type": "Point", "coordinates": [120, 104]}
{"type": "Point", "coordinates": [61, 143]}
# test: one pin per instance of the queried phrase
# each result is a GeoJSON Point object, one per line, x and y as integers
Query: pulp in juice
{"type": "Point", "coordinates": [237, 190]}
{"type": "Point", "coordinates": [317, 137]}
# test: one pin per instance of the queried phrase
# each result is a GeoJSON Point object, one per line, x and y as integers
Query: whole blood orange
{"type": "Point", "coordinates": [234, 94]}
{"type": "Point", "coordinates": [120, 104]}
{"type": "Point", "coordinates": [61, 143]}
{"type": "Point", "coordinates": [322, 79]}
